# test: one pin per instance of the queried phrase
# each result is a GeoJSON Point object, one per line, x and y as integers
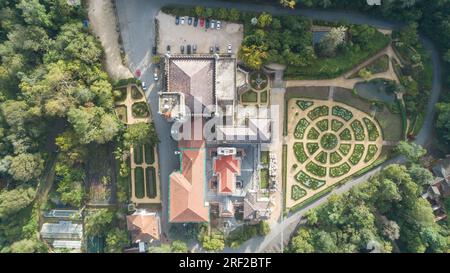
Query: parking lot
{"type": "Point", "coordinates": [178, 35]}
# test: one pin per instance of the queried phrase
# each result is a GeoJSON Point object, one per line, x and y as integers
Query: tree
{"type": "Point", "coordinates": [26, 167]}
{"type": "Point", "coordinates": [329, 43]}
{"type": "Point", "coordinates": [116, 240]}
{"type": "Point", "coordinates": [253, 56]}
{"type": "Point", "coordinates": [208, 12]}
{"type": "Point", "coordinates": [98, 222]}
{"type": "Point", "coordinates": [34, 13]}
{"type": "Point", "coordinates": [199, 11]}
{"type": "Point", "coordinates": [15, 113]}
{"type": "Point", "coordinates": [140, 133]}
{"type": "Point", "coordinates": [178, 247]}
{"type": "Point", "coordinates": [234, 15]}
{"type": "Point", "coordinates": [364, 74]}
{"type": "Point", "coordinates": [222, 14]}
{"type": "Point", "coordinates": [288, 3]}
{"type": "Point", "coordinates": [28, 246]}
{"type": "Point", "coordinates": [164, 248]}
{"type": "Point", "coordinates": [412, 151]}
{"type": "Point", "coordinates": [14, 200]}
{"type": "Point", "coordinates": [212, 243]}
{"type": "Point", "coordinates": [264, 20]}
{"type": "Point", "coordinates": [443, 121]}
{"type": "Point", "coordinates": [391, 230]}
{"type": "Point", "coordinates": [301, 242]}
{"type": "Point", "coordinates": [264, 228]}
{"type": "Point", "coordinates": [420, 175]}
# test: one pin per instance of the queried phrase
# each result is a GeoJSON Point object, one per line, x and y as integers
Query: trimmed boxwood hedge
{"type": "Point", "coordinates": [139, 182]}
{"type": "Point", "coordinates": [371, 129]}
{"type": "Point", "coordinates": [336, 125]}
{"type": "Point", "coordinates": [345, 134]}
{"type": "Point", "coordinates": [151, 182]}
{"type": "Point", "coordinates": [322, 157]}
{"type": "Point", "coordinates": [309, 181]}
{"type": "Point", "coordinates": [149, 154]}
{"type": "Point", "coordinates": [312, 148]}
{"type": "Point", "coordinates": [300, 128]}
{"type": "Point", "coordinates": [313, 134]}
{"type": "Point", "coordinates": [335, 158]}
{"type": "Point", "coordinates": [371, 151]}
{"type": "Point", "coordinates": [339, 170]}
{"type": "Point", "coordinates": [138, 156]}
{"type": "Point", "coordinates": [315, 169]}
{"type": "Point", "coordinates": [358, 152]}
{"type": "Point", "coordinates": [358, 130]}
{"type": "Point", "coordinates": [322, 125]}
{"type": "Point", "coordinates": [297, 192]}
{"type": "Point", "coordinates": [303, 104]}
{"type": "Point", "coordinates": [299, 152]}
{"type": "Point", "coordinates": [342, 113]}
{"type": "Point", "coordinates": [317, 112]}
{"type": "Point", "coordinates": [345, 148]}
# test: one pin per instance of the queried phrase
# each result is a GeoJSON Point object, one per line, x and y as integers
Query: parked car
{"type": "Point", "coordinates": [182, 49]}
{"type": "Point", "coordinates": [190, 21]}
{"type": "Point", "coordinates": [195, 21]}
{"type": "Point", "coordinates": [182, 20]}
{"type": "Point", "coordinates": [213, 24]}
{"type": "Point", "coordinates": [218, 25]}
{"type": "Point", "coordinates": [144, 86]}
{"type": "Point", "coordinates": [188, 49]}
{"type": "Point", "coordinates": [211, 50]}
{"type": "Point", "coordinates": [207, 23]}
{"type": "Point", "coordinates": [138, 73]}
{"type": "Point", "coordinates": [154, 50]}
{"type": "Point", "coordinates": [217, 49]}
{"type": "Point", "coordinates": [177, 20]}
{"type": "Point", "coordinates": [168, 49]}
{"type": "Point", "coordinates": [229, 48]}
{"type": "Point", "coordinates": [202, 22]}
{"type": "Point", "coordinates": [194, 48]}
{"type": "Point", "coordinates": [155, 76]}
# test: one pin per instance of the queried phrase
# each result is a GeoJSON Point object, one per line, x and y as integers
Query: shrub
{"type": "Point", "coordinates": [357, 154]}
{"type": "Point", "coordinates": [316, 169]}
{"type": "Point", "coordinates": [299, 152]}
{"type": "Point", "coordinates": [312, 134]}
{"type": "Point", "coordinates": [312, 147]}
{"type": "Point", "coordinates": [342, 113]}
{"type": "Point", "coordinates": [300, 128]}
{"type": "Point", "coordinates": [345, 148]}
{"type": "Point", "coordinates": [297, 192]}
{"type": "Point", "coordinates": [140, 110]}
{"type": "Point", "coordinates": [322, 125]}
{"type": "Point", "coordinates": [371, 151]}
{"type": "Point", "coordinates": [336, 125]}
{"type": "Point", "coordinates": [371, 129]}
{"type": "Point", "coordinates": [322, 157]}
{"type": "Point", "coordinates": [339, 170]}
{"type": "Point", "coordinates": [335, 158]}
{"type": "Point", "coordinates": [319, 111]}
{"type": "Point", "coordinates": [345, 134]}
{"type": "Point", "coordinates": [304, 104]}
{"type": "Point", "coordinates": [358, 130]}
{"type": "Point", "coordinates": [308, 181]}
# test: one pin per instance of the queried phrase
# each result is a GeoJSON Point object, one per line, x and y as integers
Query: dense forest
{"type": "Point", "coordinates": [56, 104]}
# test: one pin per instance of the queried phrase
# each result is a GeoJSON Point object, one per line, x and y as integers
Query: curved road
{"type": "Point", "coordinates": [136, 19]}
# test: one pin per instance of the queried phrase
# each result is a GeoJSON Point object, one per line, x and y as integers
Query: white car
{"type": "Point", "coordinates": [155, 76]}
{"type": "Point", "coordinates": [144, 86]}
{"type": "Point", "coordinates": [213, 24]}
{"type": "Point", "coordinates": [229, 48]}
{"type": "Point", "coordinates": [218, 25]}
{"type": "Point", "coordinates": [182, 20]}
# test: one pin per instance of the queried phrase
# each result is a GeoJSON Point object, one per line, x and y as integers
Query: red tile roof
{"type": "Point", "coordinates": [187, 200]}
{"type": "Point", "coordinates": [143, 227]}
{"type": "Point", "coordinates": [227, 167]}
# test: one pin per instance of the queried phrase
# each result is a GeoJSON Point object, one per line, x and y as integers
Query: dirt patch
{"type": "Point", "coordinates": [103, 21]}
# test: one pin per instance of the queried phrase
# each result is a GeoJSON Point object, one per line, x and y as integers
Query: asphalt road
{"type": "Point", "coordinates": [136, 19]}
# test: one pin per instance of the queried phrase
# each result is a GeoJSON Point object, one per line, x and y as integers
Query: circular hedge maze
{"type": "Point", "coordinates": [329, 141]}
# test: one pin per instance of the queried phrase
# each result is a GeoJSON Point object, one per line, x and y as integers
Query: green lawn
{"type": "Point", "coordinates": [264, 178]}
{"type": "Point", "coordinates": [139, 182]}
{"type": "Point", "coordinates": [263, 96]}
{"type": "Point", "coordinates": [250, 96]}
{"type": "Point", "coordinates": [151, 182]}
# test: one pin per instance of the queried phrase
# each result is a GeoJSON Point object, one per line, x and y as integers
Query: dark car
{"type": "Point", "coordinates": [194, 48]}
{"type": "Point", "coordinates": [168, 49]}
{"type": "Point", "coordinates": [190, 21]}
{"type": "Point", "coordinates": [195, 21]}
{"type": "Point", "coordinates": [154, 50]}
{"type": "Point", "coordinates": [182, 49]}
{"type": "Point", "coordinates": [177, 20]}
{"type": "Point", "coordinates": [207, 23]}
{"type": "Point", "coordinates": [217, 48]}
{"type": "Point", "coordinates": [189, 49]}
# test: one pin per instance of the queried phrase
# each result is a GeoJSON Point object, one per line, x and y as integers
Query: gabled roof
{"type": "Point", "coordinates": [144, 227]}
{"type": "Point", "coordinates": [186, 190]}
{"type": "Point", "coordinates": [227, 168]}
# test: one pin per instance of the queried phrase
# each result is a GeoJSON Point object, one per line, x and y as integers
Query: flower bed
{"type": "Point", "coordinates": [339, 170]}
{"type": "Point", "coordinates": [309, 181]}
{"type": "Point", "coordinates": [342, 113]}
{"type": "Point", "coordinates": [312, 147]}
{"type": "Point", "coordinates": [319, 111]}
{"type": "Point", "coordinates": [336, 125]}
{"type": "Point", "coordinates": [312, 134]}
{"type": "Point", "coordinates": [297, 192]}
{"type": "Point", "coordinates": [316, 169]}
{"type": "Point", "coordinates": [322, 125]}
{"type": "Point", "coordinates": [371, 151]}
{"type": "Point", "coordinates": [345, 134]}
{"type": "Point", "coordinates": [140, 110]}
{"type": "Point", "coordinates": [371, 129]}
{"type": "Point", "coordinates": [335, 158]}
{"type": "Point", "coordinates": [299, 152]}
{"type": "Point", "coordinates": [322, 157]}
{"type": "Point", "coordinates": [358, 130]}
{"type": "Point", "coordinates": [358, 152]}
{"type": "Point", "coordinates": [300, 128]}
{"type": "Point", "coordinates": [303, 104]}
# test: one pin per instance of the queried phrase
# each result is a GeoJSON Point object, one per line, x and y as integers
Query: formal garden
{"type": "Point", "coordinates": [328, 142]}
{"type": "Point", "coordinates": [259, 90]}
